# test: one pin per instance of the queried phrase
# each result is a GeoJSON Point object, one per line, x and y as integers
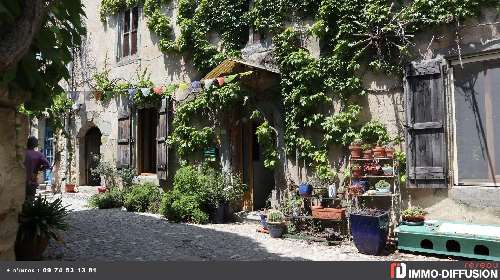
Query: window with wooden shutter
{"type": "Point", "coordinates": [425, 129]}
{"type": "Point", "coordinates": [162, 151]}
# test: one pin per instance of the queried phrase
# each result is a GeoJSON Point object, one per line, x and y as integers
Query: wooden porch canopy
{"type": "Point", "coordinates": [232, 66]}
{"type": "Point", "coordinates": [262, 80]}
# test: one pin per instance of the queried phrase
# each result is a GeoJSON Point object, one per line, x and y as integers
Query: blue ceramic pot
{"type": "Point", "coordinates": [276, 230]}
{"type": "Point", "coordinates": [305, 189]}
{"type": "Point", "coordinates": [369, 232]}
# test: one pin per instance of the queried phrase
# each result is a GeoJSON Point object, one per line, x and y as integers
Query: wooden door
{"type": "Point", "coordinates": [92, 155]}
{"type": "Point", "coordinates": [241, 160]}
{"type": "Point", "coordinates": [425, 117]}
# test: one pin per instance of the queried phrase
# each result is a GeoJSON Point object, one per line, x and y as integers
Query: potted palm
{"type": "Point", "coordinates": [413, 216]}
{"type": "Point", "coordinates": [275, 223]}
{"type": "Point", "coordinates": [40, 220]}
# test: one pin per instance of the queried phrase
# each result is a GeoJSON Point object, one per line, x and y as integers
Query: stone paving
{"type": "Point", "coordinates": [118, 235]}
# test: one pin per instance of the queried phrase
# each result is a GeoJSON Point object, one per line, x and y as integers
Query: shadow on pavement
{"type": "Point", "coordinates": [116, 235]}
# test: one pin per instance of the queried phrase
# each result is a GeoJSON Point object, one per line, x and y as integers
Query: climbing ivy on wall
{"type": "Point", "coordinates": [206, 108]}
{"type": "Point", "coordinates": [355, 35]}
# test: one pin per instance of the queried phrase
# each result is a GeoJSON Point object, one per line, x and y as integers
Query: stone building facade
{"type": "Point", "coordinates": [386, 102]}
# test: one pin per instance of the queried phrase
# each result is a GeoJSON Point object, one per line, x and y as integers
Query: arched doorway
{"type": "Point", "coordinates": [92, 155]}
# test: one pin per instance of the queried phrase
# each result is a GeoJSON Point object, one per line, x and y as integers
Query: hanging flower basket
{"type": "Point", "coordinates": [98, 95]}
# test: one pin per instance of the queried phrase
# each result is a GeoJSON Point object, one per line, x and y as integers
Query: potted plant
{"type": "Point", "coordinates": [413, 216]}
{"type": "Point", "coordinates": [389, 151]}
{"type": "Point", "coordinates": [379, 150]}
{"type": "Point", "coordinates": [355, 190]}
{"type": "Point", "coordinates": [40, 220]}
{"type": "Point", "coordinates": [383, 186]}
{"type": "Point", "coordinates": [70, 187]}
{"type": "Point", "coordinates": [355, 148]}
{"type": "Point", "coordinates": [372, 168]}
{"type": "Point", "coordinates": [356, 171]}
{"type": "Point", "coordinates": [369, 228]}
{"type": "Point", "coordinates": [275, 223]}
{"type": "Point", "coordinates": [367, 151]}
{"type": "Point", "coordinates": [363, 182]}
{"type": "Point", "coordinates": [387, 169]}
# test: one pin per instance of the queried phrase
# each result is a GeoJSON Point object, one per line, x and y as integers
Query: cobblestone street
{"type": "Point", "coordinates": [117, 235]}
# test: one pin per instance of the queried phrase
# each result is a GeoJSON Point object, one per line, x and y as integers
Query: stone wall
{"type": "Point", "coordinates": [384, 101]}
{"type": "Point", "coordinates": [13, 135]}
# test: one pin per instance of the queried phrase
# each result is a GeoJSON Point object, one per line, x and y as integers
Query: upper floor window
{"type": "Point", "coordinates": [128, 32]}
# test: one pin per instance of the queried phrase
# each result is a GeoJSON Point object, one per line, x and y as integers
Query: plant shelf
{"type": "Point", "coordinates": [370, 159]}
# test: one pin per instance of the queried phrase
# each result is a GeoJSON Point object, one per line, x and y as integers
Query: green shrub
{"type": "Point", "coordinates": [178, 207]}
{"type": "Point", "coordinates": [198, 191]}
{"type": "Point", "coordinates": [155, 203]}
{"type": "Point", "coordinates": [141, 197]}
{"type": "Point", "coordinates": [113, 198]}
{"type": "Point", "coordinates": [127, 176]}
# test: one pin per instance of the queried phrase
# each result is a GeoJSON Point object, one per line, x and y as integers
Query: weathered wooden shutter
{"type": "Point", "coordinates": [125, 140]}
{"type": "Point", "coordinates": [425, 117]}
{"type": "Point", "coordinates": [162, 150]}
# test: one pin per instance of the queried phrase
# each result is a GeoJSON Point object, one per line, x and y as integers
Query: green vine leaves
{"type": "Point", "coordinates": [353, 34]}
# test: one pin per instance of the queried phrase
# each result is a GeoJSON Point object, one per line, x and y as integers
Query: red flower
{"type": "Point", "coordinates": [158, 90]}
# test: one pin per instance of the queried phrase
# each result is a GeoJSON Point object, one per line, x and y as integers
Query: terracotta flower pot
{"type": "Point", "coordinates": [379, 152]}
{"type": "Point", "coordinates": [355, 151]}
{"type": "Point", "coordinates": [70, 188]}
{"type": "Point", "coordinates": [414, 219]}
{"type": "Point", "coordinates": [357, 172]}
{"type": "Point", "coordinates": [389, 152]}
{"type": "Point", "coordinates": [328, 213]}
{"type": "Point", "coordinates": [368, 154]}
